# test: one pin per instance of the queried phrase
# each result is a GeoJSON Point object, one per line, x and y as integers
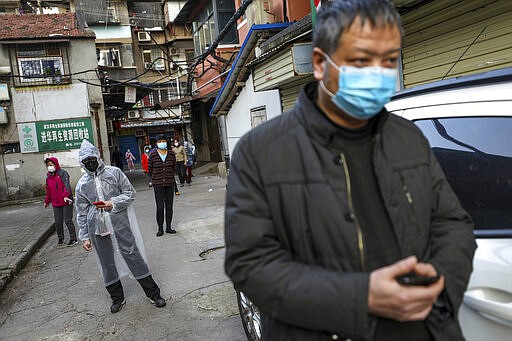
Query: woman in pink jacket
{"type": "Point", "coordinates": [58, 192]}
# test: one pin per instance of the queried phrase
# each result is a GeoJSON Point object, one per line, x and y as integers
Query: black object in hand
{"type": "Point", "coordinates": [414, 279]}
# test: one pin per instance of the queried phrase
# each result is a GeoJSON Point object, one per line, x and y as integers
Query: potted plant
{"type": "Point", "coordinates": [57, 76]}
{"type": "Point", "coordinates": [47, 72]}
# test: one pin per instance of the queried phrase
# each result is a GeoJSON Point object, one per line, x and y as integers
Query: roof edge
{"type": "Point", "coordinates": [221, 96]}
{"type": "Point", "coordinates": [488, 77]}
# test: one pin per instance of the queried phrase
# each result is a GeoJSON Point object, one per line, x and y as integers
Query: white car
{"type": "Point", "coordinates": [468, 121]}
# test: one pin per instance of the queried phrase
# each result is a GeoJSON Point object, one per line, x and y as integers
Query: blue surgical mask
{"type": "Point", "coordinates": [362, 92]}
{"type": "Point", "coordinates": [162, 145]}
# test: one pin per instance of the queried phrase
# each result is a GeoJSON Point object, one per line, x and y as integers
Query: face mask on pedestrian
{"type": "Point", "coordinates": [51, 169]}
{"type": "Point", "coordinates": [91, 164]}
{"type": "Point", "coordinates": [362, 92]}
{"type": "Point", "coordinates": [146, 151]}
{"type": "Point", "coordinates": [161, 145]}
{"type": "Point", "coordinates": [176, 144]}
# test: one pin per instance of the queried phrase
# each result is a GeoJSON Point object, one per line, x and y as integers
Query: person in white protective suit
{"type": "Point", "coordinates": [108, 224]}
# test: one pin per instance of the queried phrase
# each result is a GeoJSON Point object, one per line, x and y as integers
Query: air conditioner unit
{"type": "Point", "coordinates": [158, 65]}
{"type": "Point", "coordinates": [175, 51]}
{"type": "Point", "coordinates": [133, 114]}
{"type": "Point", "coordinates": [143, 36]}
{"type": "Point", "coordinates": [4, 119]}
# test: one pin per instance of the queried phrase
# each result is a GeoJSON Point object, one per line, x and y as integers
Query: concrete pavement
{"type": "Point", "coordinates": [25, 225]}
{"type": "Point", "coordinates": [59, 295]}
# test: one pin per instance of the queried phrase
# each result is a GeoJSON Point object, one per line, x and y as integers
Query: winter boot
{"type": "Point", "coordinates": [152, 291]}
{"type": "Point", "coordinates": [116, 293]}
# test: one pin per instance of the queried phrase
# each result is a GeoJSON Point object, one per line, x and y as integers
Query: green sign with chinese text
{"type": "Point", "coordinates": [63, 134]}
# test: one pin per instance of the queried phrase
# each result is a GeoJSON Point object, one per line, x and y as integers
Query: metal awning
{"type": "Point", "coordinates": [115, 97]}
{"type": "Point", "coordinates": [159, 123]}
{"type": "Point", "coordinates": [190, 7]}
{"type": "Point", "coordinates": [174, 102]}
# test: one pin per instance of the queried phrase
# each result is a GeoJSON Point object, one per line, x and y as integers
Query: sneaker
{"type": "Point", "coordinates": [72, 243]}
{"type": "Point", "coordinates": [116, 306]}
{"type": "Point", "coordinates": [177, 193]}
{"type": "Point", "coordinates": [170, 230]}
{"type": "Point", "coordinates": [189, 184]}
{"type": "Point", "coordinates": [60, 244]}
{"type": "Point", "coordinates": [159, 302]}
{"type": "Point", "coordinates": [182, 185]}
{"type": "Point", "coordinates": [159, 233]}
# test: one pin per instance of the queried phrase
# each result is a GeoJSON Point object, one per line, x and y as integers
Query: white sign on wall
{"type": "Point", "coordinates": [130, 94]}
{"type": "Point", "coordinates": [52, 103]}
{"type": "Point", "coordinates": [28, 137]}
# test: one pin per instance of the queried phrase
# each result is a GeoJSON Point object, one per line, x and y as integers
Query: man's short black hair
{"type": "Point", "coordinates": [161, 137]}
{"type": "Point", "coordinates": [338, 15]}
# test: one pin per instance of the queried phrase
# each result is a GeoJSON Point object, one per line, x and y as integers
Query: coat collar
{"type": "Point", "coordinates": [317, 125]}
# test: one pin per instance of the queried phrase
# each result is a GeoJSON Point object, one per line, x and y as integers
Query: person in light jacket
{"type": "Point", "coordinates": [108, 224]}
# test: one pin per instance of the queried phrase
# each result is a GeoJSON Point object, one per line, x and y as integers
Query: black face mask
{"type": "Point", "coordinates": [91, 164]}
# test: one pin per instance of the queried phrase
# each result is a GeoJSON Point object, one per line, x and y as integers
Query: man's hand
{"type": "Point", "coordinates": [107, 207]}
{"type": "Point", "coordinates": [388, 298]}
{"type": "Point", "coordinates": [86, 244]}
{"type": "Point", "coordinates": [45, 205]}
{"type": "Point", "coordinates": [69, 201]}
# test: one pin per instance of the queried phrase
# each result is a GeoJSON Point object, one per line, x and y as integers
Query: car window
{"type": "Point", "coordinates": [476, 156]}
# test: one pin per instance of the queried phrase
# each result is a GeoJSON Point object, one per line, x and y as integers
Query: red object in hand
{"type": "Point", "coordinates": [97, 203]}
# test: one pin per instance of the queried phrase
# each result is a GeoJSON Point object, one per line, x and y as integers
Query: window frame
{"type": "Point", "coordinates": [478, 232]}
{"type": "Point", "coordinates": [41, 55]}
{"type": "Point", "coordinates": [117, 51]}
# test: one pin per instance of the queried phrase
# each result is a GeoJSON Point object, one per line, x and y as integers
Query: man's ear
{"type": "Point", "coordinates": [318, 60]}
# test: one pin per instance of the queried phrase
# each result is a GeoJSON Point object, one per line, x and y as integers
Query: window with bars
{"type": "Point", "coordinates": [41, 63]}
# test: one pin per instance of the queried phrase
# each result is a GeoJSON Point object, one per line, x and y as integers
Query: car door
{"type": "Point", "coordinates": [473, 144]}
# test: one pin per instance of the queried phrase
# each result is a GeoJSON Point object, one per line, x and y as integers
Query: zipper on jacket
{"type": "Point", "coordinates": [360, 241]}
{"type": "Point", "coordinates": [406, 190]}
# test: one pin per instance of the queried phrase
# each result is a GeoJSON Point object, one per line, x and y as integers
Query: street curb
{"type": "Point", "coordinates": [28, 251]}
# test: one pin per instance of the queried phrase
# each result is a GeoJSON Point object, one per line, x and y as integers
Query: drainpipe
{"type": "Point", "coordinates": [95, 106]}
{"type": "Point", "coordinates": [221, 121]}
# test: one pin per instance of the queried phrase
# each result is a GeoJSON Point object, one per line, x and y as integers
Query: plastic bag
{"type": "Point", "coordinates": [103, 224]}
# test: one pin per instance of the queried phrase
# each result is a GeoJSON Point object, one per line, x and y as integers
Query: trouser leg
{"type": "Point", "coordinates": [58, 214]}
{"type": "Point", "coordinates": [116, 292]}
{"type": "Point", "coordinates": [68, 218]}
{"type": "Point", "coordinates": [189, 174]}
{"type": "Point", "coordinates": [130, 252]}
{"type": "Point", "coordinates": [181, 172]}
{"type": "Point", "coordinates": [159, 199]}
{"type": "Point", "coordinates": [105, 250]}
{"type": "Point", "coordinates": [150, 287]}
{"type": "Point", "coordinates": [169, 198]}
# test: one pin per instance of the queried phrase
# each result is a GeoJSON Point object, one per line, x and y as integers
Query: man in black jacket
{"type": "Point", "coordinates": [328, 204]}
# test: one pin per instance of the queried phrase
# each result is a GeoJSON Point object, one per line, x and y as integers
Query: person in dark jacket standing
{"type": "Point", "coordinates": [161, 169]}
{"type": "Point", "coordinates": [58, 193]}
{"type": "Point", "coordinates": [328, 204]}
{"type": "Point", "coordinates": [117, 158]}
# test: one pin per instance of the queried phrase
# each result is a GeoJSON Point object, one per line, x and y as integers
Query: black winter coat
{"type": "Point", "coordinates": [293, 244]}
